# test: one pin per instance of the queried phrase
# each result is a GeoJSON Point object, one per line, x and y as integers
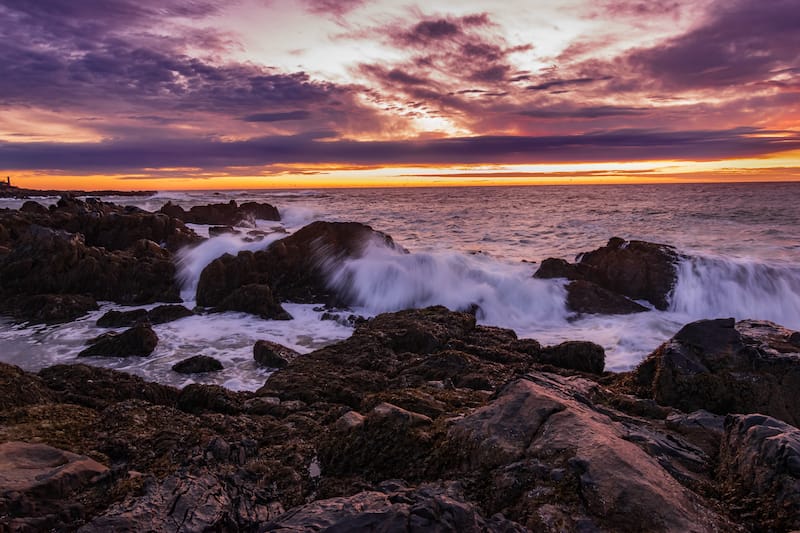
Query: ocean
{"type": "Point", "coordinates": [477, 246]}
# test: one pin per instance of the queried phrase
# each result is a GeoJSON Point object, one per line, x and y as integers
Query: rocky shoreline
{"type": "Point", "coordinates": [422, 420]}
{"type": "Point", "coordinates": [11, 191]}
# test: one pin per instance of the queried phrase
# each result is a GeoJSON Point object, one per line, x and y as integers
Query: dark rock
{"type": "Point", "coordinates": [45, 261]}
{"type": "Point", "coordinates": [261, 211]}
{"type": "Point", "coordinates": [201, 398]}
{"type": "Point", "coordinates": [138, 341]}
{"type": "Point", "coordinates": [587, 297]}
{"type": "Point", "coordinates": [397, 509]}
{"type": "Point", "coordinates": [34, 207]}
{"type": "Point", "coordinates": [18, 388]}
{"type": "Point", "coordinates": [256, 299]}
{"type": "Point", "coordinates": [37, 481]}
{"type": "Point", "coordinates": [701, 428]}
{"type": "Point", "coordinates": [726, 367]}
{"type": "Point", "coordinates": [637, 269]}
{"type": "Point", "coordinates": [273, 355]}
{"type": "Point", "coordinates": [216, 231]}
{"type": "Point", "coordinates": [97, 387]}
{"type": "Point", "coordinates": [197, 364]}
{"type": "Point", "coordinates": [229, 214]}
{"type": "Point", "coordinates": [48, 308]}
{"type": "Point", "coordinates": [295, 268]}
{"type": "Point", "coordinates": [760, 468]}
{"type": "Point", "coordinates": [577, 355]}
{"type": "Point", "coordinates": [158, 315]}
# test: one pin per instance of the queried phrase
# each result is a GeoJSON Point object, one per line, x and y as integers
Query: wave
{"type": "Point", "coordinates": [710, 287]}
{"type": "Point", "coordinates": [386, 279]}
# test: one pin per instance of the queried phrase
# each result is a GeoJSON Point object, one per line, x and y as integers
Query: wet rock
{"type": "Point", "coordinates": [34, 207]}
{"type": "Point", "coordinates": [548, 456]}
{"type": "Point", "coordinates": [256, 299]}
{"type": "Point", "coordinates": [45, 261]}
{"type": "Point", "coordinates": [97, 387]}
{"type": "Point", "coordinates": [18, 388]}
{"type": "Point", "coordinates": [590, 298]}
{"type": "Point", "coordinates": [702, 428]}
{"type": "Point", "coordinates": [36, 482]}
{"type": "Point", "coordinates": [158, 315]}
{"type": "Point", "coordinates": [273, 355]}
{"type": "Point", "coordinates": [577, 355]}
{"type": "Point", "coordinates": [229, 214]}
{"type": "Point", "coordinates": [760, 467]}
{"type": "Point", "coordinates": [293, 267]}
{"type": "Point", "coordinates": [139, 341]}
{"type": "Point", "coordinates": [201, 398]}
{"type": "Point", "coordinates": [216, 231]}
{"type": "Point", "coordinates": [637, 269]}
{"type": "Point", "coordinates": [726, 367]}
{"type": "Point", "coordinates": [197, 364]}
{"type": "Point", "coordinates": [48, 308]}
{"type": "Point", "coordinates": [261, 211]}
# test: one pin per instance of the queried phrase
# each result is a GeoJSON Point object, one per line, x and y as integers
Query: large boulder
{"type": "Point", "coordinates": [295, 268]}
{"type": "Point", "coordinates": [229, 214]}
{"type": "Point", "coordinates": [48, 308]}
{"type": "Point", "coordinates": [576, 355]}
{"type": "Point", "coordinates": [760, 468]}
{"type": "Point", "coordinates": [273, 355]}
{"type": "Point", "coordinates": [726, 367]}
{"type": "Point", "coordinates": [636, 269]}
{"type": "Point", "coordinates": [590, 298]}
{"type": "Point", "coordinates": [158, 315]}
{"type": "Point", "coordinates": [197, 364]}
{"type": "Point", "coordinates": [541, 451]}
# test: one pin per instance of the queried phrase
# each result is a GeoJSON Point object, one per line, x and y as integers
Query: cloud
{"type": "Point", "coordinates": [546, 86]}
{"type": "Point", "coordinates": [585, 112]}
{"type": "Point", "coordinates": [298, 114]}
{"type": "Point", "coordinates": [335, 8]}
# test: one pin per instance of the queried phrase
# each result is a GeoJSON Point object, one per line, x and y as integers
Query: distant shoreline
{"type": "Point", "coordinates": [18, 192]}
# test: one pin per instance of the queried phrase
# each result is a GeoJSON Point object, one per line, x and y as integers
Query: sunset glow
{"type": "Point", "coordinates": [251, 94]}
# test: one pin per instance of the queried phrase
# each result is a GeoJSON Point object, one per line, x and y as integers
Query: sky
{"type": "Point", "coordinates": [201, 94]}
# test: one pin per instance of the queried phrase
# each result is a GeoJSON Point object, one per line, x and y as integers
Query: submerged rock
{"type": "Point", "coordinates": [726, 367]}
{"type": "Point", "coordinates": [587, 297]}
{"type": "Point", "coordinates": [197, 364]}
{"type": "Point", "coordinates": [158, 315]}
{"type": "Point", "coordinates": [139, 341]}
{"type": "Point", "coordinates": [636, 269]}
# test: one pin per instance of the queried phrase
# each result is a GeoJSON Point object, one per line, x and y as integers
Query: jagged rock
{"type": "Point", "coordinates": [138, 341]}
{"type": "Point", "coordinates": [48, 308]}
{"type": "Point", "coordinates": [97, 387]}
{"type": "Point", "coordinates": [577, 355]}
{"type": "Point", "coordinates": [200, 398]}
{"type": "Point", "coordinates": [760, 467]}
{"type": "Point", "coordinates": [587, 297]}
{"type": "Point", "coordinates": [256, 299]}
{"type": "Point", "coordinates": [293, 267]}
{"type": "Point", "coordinates": [229, 214]}
{"type": "Point", "coordinates": [216, 231]}
{"type": "Point", "coordinates": [186, 501]}
{"type": "Point", "coordinates": [395, 509]}
{"type": "Point", "coordinates": [637, 269]}
{"type": "Point", "coordinates": [273, 355]}
{"type": "Point", "coordinates": [34, 207]}
{"type": "Point", "coordinates": [158, 315]}
{"type": "Point", "coordinates": [197, 364]}
{"type": "Point", "coordinates": [45, 261]}
{"type": "Point", "coordinates": [36, 482]}
{"type": "Point", "coordinates": [18, 388]}
{"type": "Point", "coordinates": [545, 454]}
{"type": "Point", "coordinates": [702, 428]}
{"type": "Point", "coordinates": [726, 367]}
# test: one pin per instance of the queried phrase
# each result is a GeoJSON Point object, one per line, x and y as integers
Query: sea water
{"type": "Point", "coordinates": [476, 247]}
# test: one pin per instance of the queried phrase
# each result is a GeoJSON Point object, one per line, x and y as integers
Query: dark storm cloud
{"type": "Point", "coordinates": [335, 8]}
{"type": "Point", "coordinates": [630, 145]}
{"type": "Point", "coordinates": [278, 117]}
{"type": "Point", "coordinates": [743, 41]}
{"type": "Point", "coordinates": [584, 112]}
{"type": "Point", "coordinates": [560, 84]}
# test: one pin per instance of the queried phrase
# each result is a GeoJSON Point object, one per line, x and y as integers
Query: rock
{"type": "Point", "coordinates": [273, 355]}
{"type": "Point", "coordinates": [255, 299]}
{"type": "Point", "coordinates": [587, 297]}
{"type": "Point", "coordinates": [216, 231]}
{"type": "Point", "coordinates": [18, 388]}
{"type": "Point", "coordinates": [197, 398]}
{"type": "Point", "coordinates": [726, 367]}
{"type": "Point", "coordinates": [295, 268]}
{"type": "Point", "coordinates": [138, 341]}
{"type": "Point", "coordinates": [48, 308]}
{"type": "Point", "coordinates": [158, 315]}
{"type": "Point", "coordinates": [429, 508]}
{"type": "Point", "coordinates": [197, 364]}
{"type": "Point", "coordinates": [229, 214]}
{"type": "Point", "coordinates": [97, 387]}
{"type": "Point", "coordinates": [36, 481]}
{"type": "Point", "coordinates": [701, 428]}
{"type": "Point", "coordinates": [34, 207]}
{"type": "Point", "coordinates": [186, 501]}
{"type": "Point", "coordinates": [577, 355]}
{"type": "Point", "coordinates": [46, 261]}
{"type": "Point", "coordinates": [637, 269]}
{"type": "Point", "coordinates": [547, 456]}
{"type": "Point", "coordinates": [760, 467]}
